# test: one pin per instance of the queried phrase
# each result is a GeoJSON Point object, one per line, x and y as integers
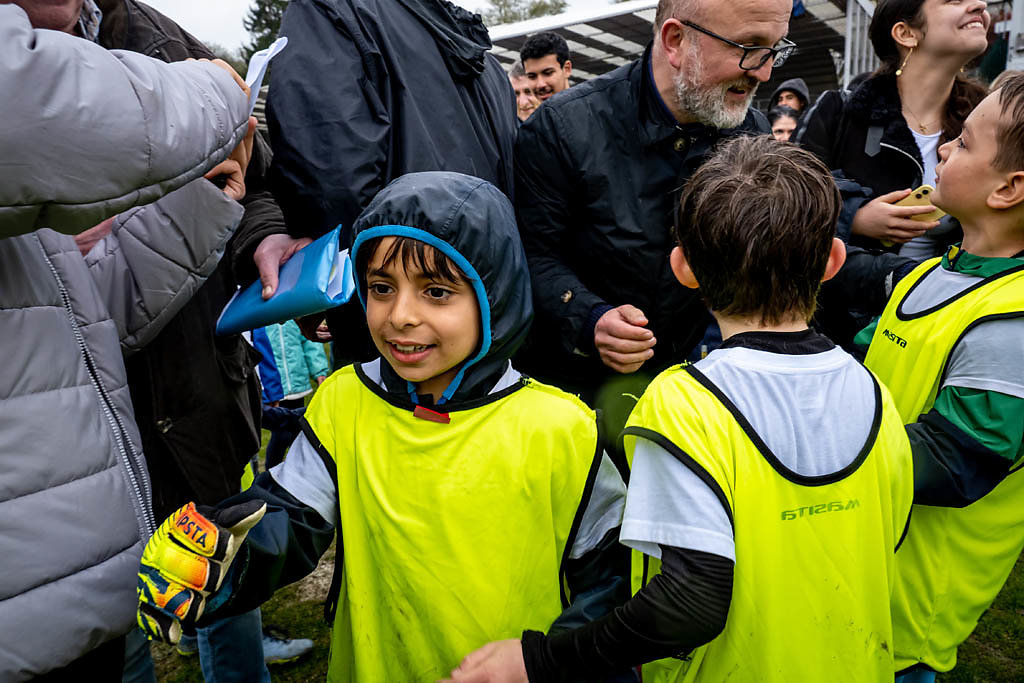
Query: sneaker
{"type": "Point", "coordinates": [188, 646]}
{"type": "Point", "coordinates": [280, 650]}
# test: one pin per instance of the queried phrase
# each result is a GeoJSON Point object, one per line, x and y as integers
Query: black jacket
{"type": "Point", "coordinates": [864, 136]}
{"type": "Point", "coordinates": [196, 396]}
{"type": "Point", "coordinates": [599, 168]}
{"type": "Point", "coordinates": [369, 90]}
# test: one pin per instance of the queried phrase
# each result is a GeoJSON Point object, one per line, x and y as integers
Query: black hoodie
{"type": "Point", "coordinates": [474, 225]}
{"type": "Point", "coordinates": [794, 85]}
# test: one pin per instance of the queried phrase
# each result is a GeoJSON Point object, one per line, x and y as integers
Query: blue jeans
{"type": "Point", "coordinates": [919, 676]}
{"type": "Point", "coordinates": [138, 663]}
{"type": "Point", "coordinates": [230, 651]}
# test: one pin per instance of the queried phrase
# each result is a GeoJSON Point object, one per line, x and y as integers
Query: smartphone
{"type": "Point", "coordinates": [922, 196]}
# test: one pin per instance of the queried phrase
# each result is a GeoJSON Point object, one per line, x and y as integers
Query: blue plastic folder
{"type": "Point", "coordinates": [314, 279]}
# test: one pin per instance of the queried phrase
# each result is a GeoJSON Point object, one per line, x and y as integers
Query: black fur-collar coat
{"type": "Point", "coordinates": [837, 129]}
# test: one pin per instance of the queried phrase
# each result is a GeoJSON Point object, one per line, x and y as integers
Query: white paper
{"type": "Point", "coordinates": [258, 69]}
{"type": "Point", "coordinates": [341, 276]}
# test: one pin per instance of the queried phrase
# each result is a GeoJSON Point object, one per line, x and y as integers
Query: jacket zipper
{"type": "Point", "coordinates": [920, 169]}
{"type": "Point", "coordinates": [113, 421]}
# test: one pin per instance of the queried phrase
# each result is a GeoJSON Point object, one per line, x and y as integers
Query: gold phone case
{"type": "Point", "coordinates": [922, 196]}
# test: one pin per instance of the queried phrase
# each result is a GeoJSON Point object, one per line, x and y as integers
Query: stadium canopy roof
{"type": "Point", "coordinates": [603, 38]}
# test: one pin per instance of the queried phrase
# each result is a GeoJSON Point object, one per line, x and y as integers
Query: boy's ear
{"type": "Point", "coordinates": [1009, 194]}
{"type": "Point", "coordinates": [681, 269]}
{"type": "Point", "coordinates": [836, 259]}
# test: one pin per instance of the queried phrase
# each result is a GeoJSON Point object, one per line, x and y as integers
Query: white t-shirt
{"type": "Point", "coordinates": [814, 412]}
{"type": "Point", "coordinates": [924, 247]}
{"type": "Point", "coordinates": [929, 146]}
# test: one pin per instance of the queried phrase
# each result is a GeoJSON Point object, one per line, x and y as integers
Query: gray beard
{"type": "Point", "coordinates": [707, 105]}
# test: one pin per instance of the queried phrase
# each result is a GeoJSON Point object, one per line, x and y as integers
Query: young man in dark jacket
{"type": "Point", "coordinates": [792, 93]}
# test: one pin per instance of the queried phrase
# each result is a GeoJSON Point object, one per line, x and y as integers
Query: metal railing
{"type": "Point", "coordinates": [860, 56]}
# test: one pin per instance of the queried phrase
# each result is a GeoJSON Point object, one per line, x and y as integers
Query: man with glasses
{"type": "Point", "coordinates": [598, 172]}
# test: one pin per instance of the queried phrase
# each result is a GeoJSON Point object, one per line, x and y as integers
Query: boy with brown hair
{"type": "Point", "coordinates": [771, 480]}
{"type": "Point", "coordinates": [950, 345]}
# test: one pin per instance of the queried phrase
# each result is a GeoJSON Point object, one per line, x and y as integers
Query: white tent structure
{"type": "Point", "coordinates": [603, 38]}
{"type": "Point", "coordinates": [860, 56]}
{"type": "Point", "coordinates": [599, 39]}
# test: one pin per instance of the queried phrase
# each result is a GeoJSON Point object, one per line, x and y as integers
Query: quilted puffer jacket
{"type": "Point", "coordinates": [108, 131]}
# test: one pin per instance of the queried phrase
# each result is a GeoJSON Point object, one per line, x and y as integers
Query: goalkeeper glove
{"type": "Point", "coordinates": [184, 565]}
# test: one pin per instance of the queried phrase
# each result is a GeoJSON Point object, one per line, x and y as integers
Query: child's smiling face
{"type": "Point", "coordinates": [424, 325]}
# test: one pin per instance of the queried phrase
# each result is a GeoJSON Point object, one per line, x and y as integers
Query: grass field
{"type": "Point", "coordinates": [991, 655]}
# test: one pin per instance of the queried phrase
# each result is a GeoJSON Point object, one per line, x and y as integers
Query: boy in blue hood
{"type": "Point", "coordinates": [470, 502]}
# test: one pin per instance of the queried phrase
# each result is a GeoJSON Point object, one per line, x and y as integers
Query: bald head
{"type": "Point", "coordinates": [698, 70]}
{"type": "Point", "coordinates": [680, 9]}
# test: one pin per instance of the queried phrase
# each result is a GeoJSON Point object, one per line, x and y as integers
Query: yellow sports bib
{"type": "Point", "coordinates": [954, 560]}
{"type": "Point", "coordinates": [454, 534]}
{"type": "Point", "coordinates": [814, 555]}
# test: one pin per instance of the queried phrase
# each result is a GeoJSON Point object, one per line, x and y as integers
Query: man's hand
{"type": "Point", "coordinates": [233, 168]}
{"type": "Point", "coordinates": [185, 563]}
{"type": "Point", "coordinates": [882, 220]}
{"type": "Point", "coordinates": [500, 662]}
{"type": "Point", "coordinates": [273, 252]}
{"type": "Point", "coordinates": [622, 339]}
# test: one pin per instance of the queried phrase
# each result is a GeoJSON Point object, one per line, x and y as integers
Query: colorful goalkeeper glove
{"type": "Point", "coordinates": [185, 563]}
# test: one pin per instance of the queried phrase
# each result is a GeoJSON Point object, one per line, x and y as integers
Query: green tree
{"type": "Point", "coordinates": [262, 21]}
{"type": "Point", "coordinates": [508, 11]}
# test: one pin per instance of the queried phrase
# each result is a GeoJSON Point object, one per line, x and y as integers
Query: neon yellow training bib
{"type": "Point", "coordinates": [954, 560]}
{"type": "Point", "coordinates": [814, 555]}
{"type": "Point", "coordinates": [454, 535]}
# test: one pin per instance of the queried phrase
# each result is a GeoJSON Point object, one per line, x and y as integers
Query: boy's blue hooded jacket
{"type": "Point", "coordinates": [473, 224]}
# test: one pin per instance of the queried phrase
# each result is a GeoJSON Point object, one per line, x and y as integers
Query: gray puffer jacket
{"type": "Point", "coordinates": [92, 132]}
{"type": "Point", "coordinates": [74, 495]}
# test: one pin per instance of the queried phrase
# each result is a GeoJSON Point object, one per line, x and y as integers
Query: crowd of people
{"type": "Point", "coordinates": [525, 480]}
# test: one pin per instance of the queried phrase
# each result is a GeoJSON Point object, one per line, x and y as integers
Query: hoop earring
{"type": "Point", "coordinates": [899, 71]}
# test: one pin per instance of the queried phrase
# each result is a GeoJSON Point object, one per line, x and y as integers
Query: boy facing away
{"type": "Point", "coordinates": [950, 345]}
{"type": "Point", "coordinates": [470, 502]}
{"type": "Point", "coordinates": [772, 479]}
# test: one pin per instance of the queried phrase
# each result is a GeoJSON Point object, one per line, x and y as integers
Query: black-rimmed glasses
{"type": "Point", "coordinates": [754, 56]}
